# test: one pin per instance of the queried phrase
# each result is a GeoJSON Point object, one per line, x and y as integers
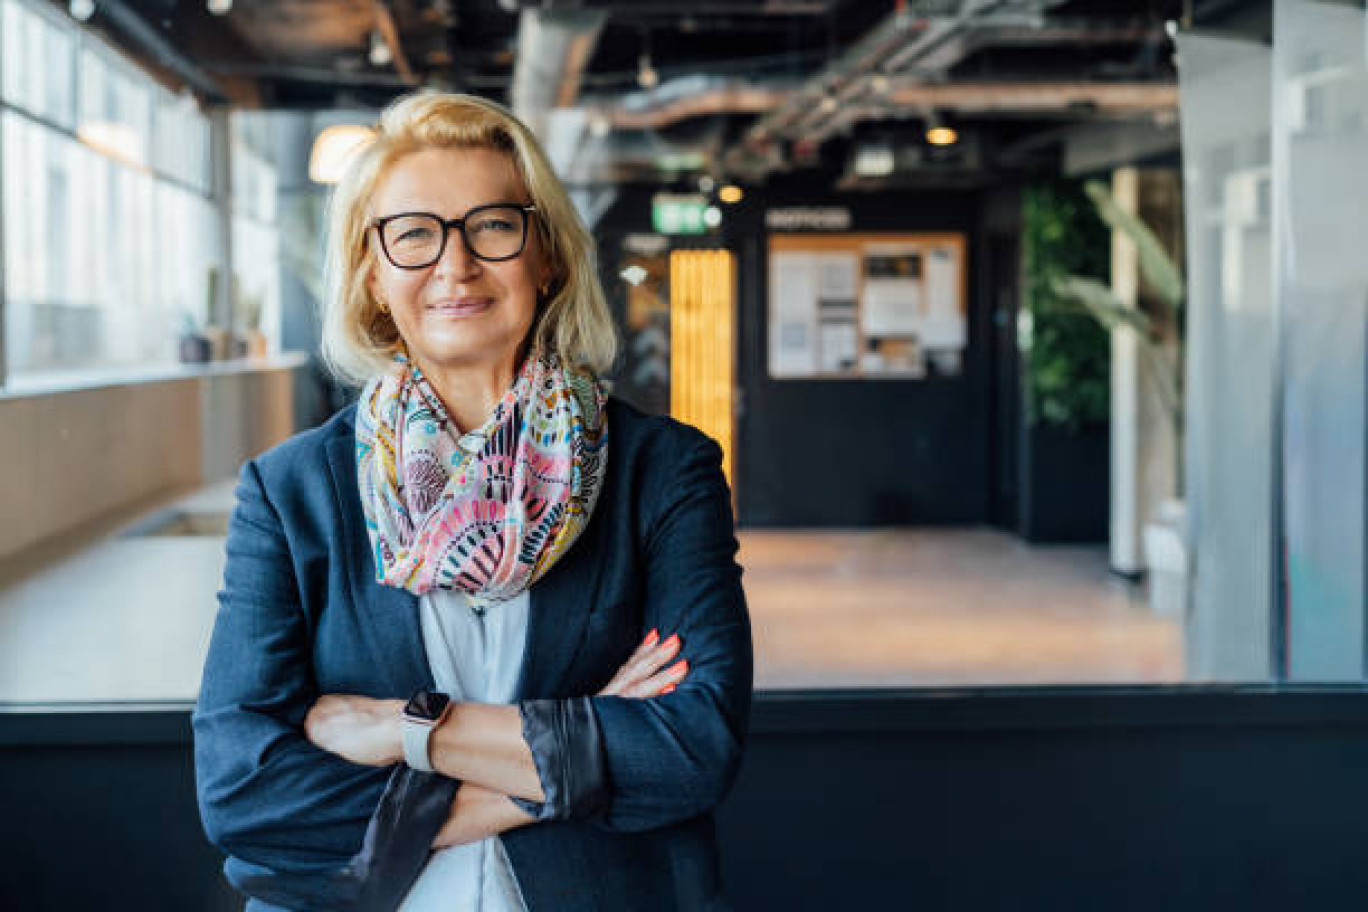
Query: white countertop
{"type": "Point", "coordinates": [49, 383]}
{"type": "Point", "coordinates": [126, 619]}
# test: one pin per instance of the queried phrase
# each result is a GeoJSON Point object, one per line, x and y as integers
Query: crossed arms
{"type": "Point", "coordinates": [281, 806]}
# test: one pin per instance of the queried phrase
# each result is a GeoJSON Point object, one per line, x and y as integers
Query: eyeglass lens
{"type": "Point", "coordinates": [495, 233]}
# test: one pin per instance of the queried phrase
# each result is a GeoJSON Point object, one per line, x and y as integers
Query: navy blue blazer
{"type": "Point", "coordinates": [301, 615]}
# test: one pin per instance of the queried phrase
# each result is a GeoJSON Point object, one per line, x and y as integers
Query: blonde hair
{"type": "Point", "coordinates": [359, 339]}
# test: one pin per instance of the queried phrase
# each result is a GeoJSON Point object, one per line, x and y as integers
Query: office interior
{"type": "Point", "coordinates": [1032, 332]}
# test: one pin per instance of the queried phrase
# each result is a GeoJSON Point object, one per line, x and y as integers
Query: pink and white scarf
{"type": "Point", "coordinates": [488, 512]}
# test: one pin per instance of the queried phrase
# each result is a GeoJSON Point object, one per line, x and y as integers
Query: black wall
{"type": "Point", "coordinates": [1174, 799]}
{"type": "Point", "coordinates": [860, 452]}
{"type": "Point", "coordinates": [848, 452]}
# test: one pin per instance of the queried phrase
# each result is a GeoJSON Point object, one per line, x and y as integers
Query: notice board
{"type": "Point", "coordinates": [867, 305]}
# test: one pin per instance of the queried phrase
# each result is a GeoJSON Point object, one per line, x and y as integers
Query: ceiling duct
{"type": "Point", "coordinates": [553, 51]}
{"type": "Point", "coordinates": [926, 42]}
{"type": "Point", "coordinates": [688, 97]}
{"type": "Point", "coordinates": [1100, 99]}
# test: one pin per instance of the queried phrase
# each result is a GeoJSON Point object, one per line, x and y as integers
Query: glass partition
{"type": "Point", "coordinates": [117, 235]}
{"type": "Point", "coordinates": [1230, 347]}
{"type": "Point", "coordinates": [1320, 195]}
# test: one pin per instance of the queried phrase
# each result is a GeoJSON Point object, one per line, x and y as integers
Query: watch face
{"type": "Point", "coordinates": [427, 704]}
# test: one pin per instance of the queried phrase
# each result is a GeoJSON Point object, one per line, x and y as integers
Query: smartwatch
{"type": "Point", "coordinates": [424, 712]}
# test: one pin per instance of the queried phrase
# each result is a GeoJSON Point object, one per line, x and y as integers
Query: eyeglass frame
{"type": "Point", "coordinates": [447, 224]}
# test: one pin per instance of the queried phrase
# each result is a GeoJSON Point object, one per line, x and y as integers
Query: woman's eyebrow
{"type": "Point", "coordinates": [432, 210]}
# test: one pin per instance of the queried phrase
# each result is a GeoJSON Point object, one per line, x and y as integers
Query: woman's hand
{"type": "Point", "coordinates": [369, 731]}
{"type": "Point", "coordinates": [360, 729]}
{"type": "Point", "coordinates": [478, 813]}
{"type": "Point", "coordinates": [640, 675]}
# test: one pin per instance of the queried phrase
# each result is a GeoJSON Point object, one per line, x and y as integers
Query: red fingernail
{"type": "Point", "coordinates": [673, 641]}
{"type": "Point", "coordinates": [666, 690]}
{"type": "Point", "coordinates": [682, 664]}
{"type": "Point", "coordinates": [651, 637]}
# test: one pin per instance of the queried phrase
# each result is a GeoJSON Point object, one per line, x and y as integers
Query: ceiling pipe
{"type": "Point", "coordinates": [620, 8]}
{"type": "Point", "coordinates": [1025, 35]}
{"type": "Point", "coordinates": [866, 54]}
{"type": "Point", "coordinates": [1093, 99]}
{"type": "Point", "coordinates": [991, 98]}
{"type": "Point", "coordinates": [906, 93]}
{"type": "Point", "coordinates": [553, 51]}
{"type": "Point", "coordinates": [731, 98]}
{"type": "Point", "coordinates": [128, 21]}
{"type": "Point", "coordinates": [830, 102]}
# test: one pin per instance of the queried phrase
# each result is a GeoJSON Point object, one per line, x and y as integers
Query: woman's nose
{"type": "Point", "coordinates": [456, 260]}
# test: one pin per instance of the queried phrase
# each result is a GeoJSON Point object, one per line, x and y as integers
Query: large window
{"type": "Point", "coordinates": [109, 230]}
{"type": "Point", "coordinates": [256, 240]}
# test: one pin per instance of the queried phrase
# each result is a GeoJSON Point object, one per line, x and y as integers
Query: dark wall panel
{"type": "Point", "coordinates": [861, 452]}
{"type": "Point", "coordinates": [845, 452]}
{"type": "Point", "coordinates": [1127, 802]}
{"type": "Point", "coordinates": [1167, 798]}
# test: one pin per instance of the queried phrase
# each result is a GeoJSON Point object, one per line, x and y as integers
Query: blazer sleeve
{"type": "Point", "coordinates": [290, 815]}
{"type": "Point", "coordinates": [631, 765]}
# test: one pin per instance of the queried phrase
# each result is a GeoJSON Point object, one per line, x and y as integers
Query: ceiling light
{"type": "Point", "coordinates": [942, 136]}
{"type": "Point", "coordinates": [937, 133]}
{"type": "Point", "coordinates": [81, 10]}
{"type": "Point", "coordinates": [333, 151]}
{"type": "Point", "coordinates": [220, 7]}
{"type": "Point", "coordinates": [712, 216]}
{"type": "Point", "coordinates": [730, 194]}
{"type": "Point", "coordinates": [635, 274]}
{"type": "Point", "coordinates": [379, 51]}
{"type": "Point", "coordinates": [874, 160]}
{"type": "Point", "coordinates": [647, 77]}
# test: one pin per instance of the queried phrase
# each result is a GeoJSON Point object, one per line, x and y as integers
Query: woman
{"type": "Point", "coordinates": [428, 686]}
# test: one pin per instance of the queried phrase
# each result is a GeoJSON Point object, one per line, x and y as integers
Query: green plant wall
{"type": "Point", "coordinates": [1066, 355]}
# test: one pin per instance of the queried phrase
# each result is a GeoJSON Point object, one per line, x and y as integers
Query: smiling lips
{"type": "Point", "coordinates": [458, 307]}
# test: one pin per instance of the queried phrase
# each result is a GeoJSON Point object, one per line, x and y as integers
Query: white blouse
{"type": "Point", "coordinates": [476, 658]}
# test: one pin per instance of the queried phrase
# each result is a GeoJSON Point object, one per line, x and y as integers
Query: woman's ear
{"type": "Point", "coordinates": [546, 280]}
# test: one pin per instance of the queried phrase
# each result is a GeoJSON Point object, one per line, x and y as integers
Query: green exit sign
{"type": "Point", "coordinates": [679, 214]}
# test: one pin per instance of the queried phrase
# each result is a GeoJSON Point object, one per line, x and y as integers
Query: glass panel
{"type": "Point", "coordinates": [1320, 144]}
{"type": "Point", "coordinates": [143, 246]}
{"type": "Point", "coordinates": [47, 320]}
{"type": "Point", "coordinates": [58, 69]}
{"type": "Point", "coordinates": [180, 140]}
{"type": "Point", "coordinates": [1225, 128]}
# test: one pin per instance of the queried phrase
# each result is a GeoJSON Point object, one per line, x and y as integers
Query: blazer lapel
{"type": "Point", "coordinates": [558, 615]}
{"type": "Point", "coordinates": [389, 616]}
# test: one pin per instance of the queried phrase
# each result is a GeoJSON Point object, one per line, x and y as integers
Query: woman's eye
{"type": "Point", "coordinates": [495, 225]}
{"type": "Point", "coordinates": [415, 234]}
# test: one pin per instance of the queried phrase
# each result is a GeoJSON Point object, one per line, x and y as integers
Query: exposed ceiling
{"type": "Point", "coordinates": [651, 90]}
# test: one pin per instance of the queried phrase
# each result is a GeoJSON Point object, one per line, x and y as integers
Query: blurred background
{"type": "Point", "coordinates": [1033, 331]}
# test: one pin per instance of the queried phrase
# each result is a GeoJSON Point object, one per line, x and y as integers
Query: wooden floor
{"type": "Point", "coordinates": [945, 607]}
{"type": "Point", "coordinates": [127, 617]}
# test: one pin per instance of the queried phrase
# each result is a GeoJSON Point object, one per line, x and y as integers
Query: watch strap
{"type": "Point", "coordinates": [416, 738]}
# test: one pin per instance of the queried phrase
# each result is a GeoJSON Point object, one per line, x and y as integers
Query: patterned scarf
{"type": "Point", "coordinates": [492, 519]}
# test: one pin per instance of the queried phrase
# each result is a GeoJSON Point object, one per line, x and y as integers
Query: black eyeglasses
{"type": "Point", "coordinates": [416, 240]}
